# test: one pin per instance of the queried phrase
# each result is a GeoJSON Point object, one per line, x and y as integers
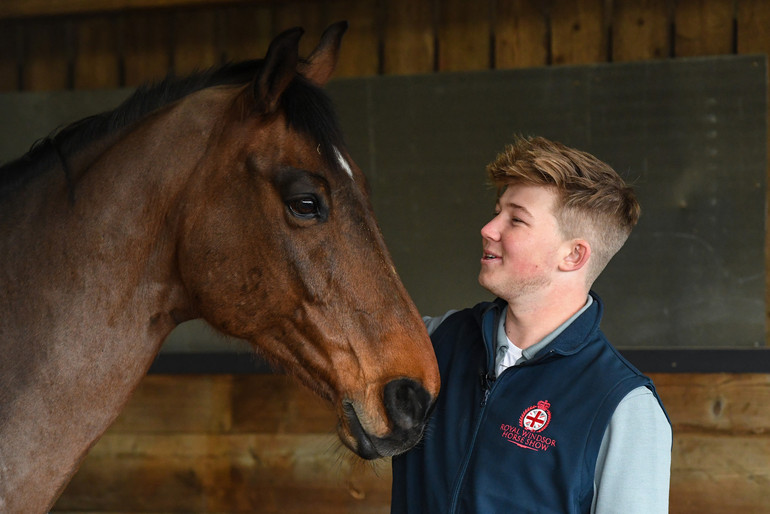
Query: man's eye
{"type": "Point", "coordinates": [305, 207]}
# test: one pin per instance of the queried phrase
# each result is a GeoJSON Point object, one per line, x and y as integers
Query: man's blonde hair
{"type": "Point", "coordinates": [594, 203]}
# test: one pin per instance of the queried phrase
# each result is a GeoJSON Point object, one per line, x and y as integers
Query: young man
{"type": "Point", "coordinates": [537, 411]}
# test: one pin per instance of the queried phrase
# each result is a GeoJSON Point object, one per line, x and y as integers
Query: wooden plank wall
{"type": "Point", "coordinates": [48, 44]}
{"type": "Point", "coordinates": [259, 443]}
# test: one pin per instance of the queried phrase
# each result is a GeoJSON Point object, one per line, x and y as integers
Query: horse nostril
{"type": "Point", "coordinates": [407, 403]}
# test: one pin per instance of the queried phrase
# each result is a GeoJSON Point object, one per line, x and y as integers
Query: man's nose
{"type": "Point", "coordinates": [490, 230]}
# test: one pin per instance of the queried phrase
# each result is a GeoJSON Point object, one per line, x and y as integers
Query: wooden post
{"type": "Point", "coordinates": [360, 52]}
{"type": "Point", "coordinates": [247, 31]}
{"type": "Point", "coordinates": [641, 30]}
{"type": "Point", "coordinates": [521, 34]}
{"type": "Point", "coordinates": [196, 40]}
{"type": "Point", "coordinates": [96, 53]}
{"type": "Point", "coordinates": [464, 35]}
{"type": "Point", "coordinates": [9, 55]}
{"type": "Point", "coordinates": [409, 37]}
{"type": "Point", "coordinates": [47, 55]}
{"type": "Point", "coordinates": [578, 31]}
{"type": "Point", "coordinates": [703, 27]}
{"type": "Point", "coordinates": [146, 47]}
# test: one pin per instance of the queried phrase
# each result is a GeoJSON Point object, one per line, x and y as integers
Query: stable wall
{"type": "Point", "coordinates": [243, 443]}
{"type": "Point", "coordinates": [259, 443]}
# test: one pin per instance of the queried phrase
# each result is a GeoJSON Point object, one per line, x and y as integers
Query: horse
{"type": "Point", "coordinates": [228, 195]}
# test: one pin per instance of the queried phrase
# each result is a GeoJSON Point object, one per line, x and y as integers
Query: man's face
{"type": "Point", "coordinates": [521, 243]}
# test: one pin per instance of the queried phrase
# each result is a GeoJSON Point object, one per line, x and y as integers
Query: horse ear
{"type": "Point", "coordinates": [320, 65]}
{"type": "Point", "coordinates": [277, 71]}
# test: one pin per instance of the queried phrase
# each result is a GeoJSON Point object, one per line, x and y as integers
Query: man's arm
{"type": "Point", "coordinates": [634, 463]}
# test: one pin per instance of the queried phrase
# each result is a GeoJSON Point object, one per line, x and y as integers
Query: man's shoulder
{"type": "Point", "coordinates": [476, 312]}
{"type": "Point", "coordinates": [433, 322]}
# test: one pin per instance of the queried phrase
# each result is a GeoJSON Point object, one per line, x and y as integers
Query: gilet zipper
{"type": "Point", "coordinates": [487, 383]}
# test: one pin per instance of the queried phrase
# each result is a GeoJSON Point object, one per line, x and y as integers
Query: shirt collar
{"type": "Point", "coordinates": [529, 353]}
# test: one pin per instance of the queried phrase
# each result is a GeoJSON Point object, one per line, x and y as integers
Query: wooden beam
{"type": "Point", "coordinates": [196, 45]}
{"type": "Point", "coordinates": [10, 56]}
{"type": "Point", "coordinates": [578, 31]}
{"type": "Point", "coordinates": [641, 30]}
{"type": "Point", "coordinates": [463, 36]}
{"type": "Point", "coordinates": [47, 55]}
{"type": "Point", "coordinates": [521, 34]}
{"type": "Point", "coordinates": [703, 27]}
{"type": "Point", "coordinates": [95, 60]}
{"type": "Point", "coordinates": [261, 443]}
{"type": "Point", "coordinates": [147, 46]}
{"type": "Point", "coordinates": [408, 37]}
{"type": "Point", "coordinates": [39, 8]}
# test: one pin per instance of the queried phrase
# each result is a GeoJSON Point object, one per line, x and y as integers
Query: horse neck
{"type": "Point", "coordinates": [91, 291]}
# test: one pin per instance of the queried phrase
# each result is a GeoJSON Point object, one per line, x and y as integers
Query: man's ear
{"type": "Point", "coordinates": [576, 256]}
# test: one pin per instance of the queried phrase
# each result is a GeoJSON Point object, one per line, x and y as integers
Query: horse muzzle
{"type": "Point", "coordinates": [407, 405]}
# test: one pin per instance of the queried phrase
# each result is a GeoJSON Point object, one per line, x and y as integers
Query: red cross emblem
{"type": "Point", "coordinates": [536, 417]}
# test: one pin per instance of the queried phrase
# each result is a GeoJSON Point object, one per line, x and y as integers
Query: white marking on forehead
{"type": "Point", "coordinates": [343, 163]}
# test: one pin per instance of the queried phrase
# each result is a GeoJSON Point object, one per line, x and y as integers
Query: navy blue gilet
{"type": "Point", "coordinates": [525, 442]}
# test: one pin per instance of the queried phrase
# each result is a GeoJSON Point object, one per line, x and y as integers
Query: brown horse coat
{"type": "Point", "coordinates": [228, 199]}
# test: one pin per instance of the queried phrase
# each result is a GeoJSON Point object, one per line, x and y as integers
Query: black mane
{"type": "Point", "coordinates": [308, 110]}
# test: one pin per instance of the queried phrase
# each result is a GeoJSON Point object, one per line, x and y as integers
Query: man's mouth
{"type": "Point", "coordinates": [489, 256]}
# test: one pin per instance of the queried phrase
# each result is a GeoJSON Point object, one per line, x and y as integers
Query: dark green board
{"type": "Point", "coordinates": [690, 134]}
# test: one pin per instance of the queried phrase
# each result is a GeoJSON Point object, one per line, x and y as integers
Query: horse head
{"type": "Point", "coordinates": [288, 254]}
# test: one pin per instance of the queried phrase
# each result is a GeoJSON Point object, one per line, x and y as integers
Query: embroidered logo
{"type": "Point", "coordinates": [536, 418]}
{"type": "Point", "coordinates": [527, 434]}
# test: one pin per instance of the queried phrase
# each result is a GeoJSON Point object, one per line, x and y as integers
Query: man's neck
{"type": "Point", "coordinates": [528, 322]}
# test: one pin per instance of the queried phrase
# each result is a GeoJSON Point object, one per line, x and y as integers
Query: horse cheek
{"type": "Point", "coordinates": [212, 268]}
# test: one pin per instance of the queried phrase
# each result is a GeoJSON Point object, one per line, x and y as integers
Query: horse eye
{"type": "Point", "coordinates": [305, 207]}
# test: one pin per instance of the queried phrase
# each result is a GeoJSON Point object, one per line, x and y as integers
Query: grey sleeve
{"type": "Point", "coordinates": [633, 468]}
{"type": "Point", "coordinates": [432, 323]}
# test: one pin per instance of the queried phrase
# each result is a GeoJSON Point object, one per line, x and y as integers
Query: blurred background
{"type": "Point", "coordinates": [672, 94]}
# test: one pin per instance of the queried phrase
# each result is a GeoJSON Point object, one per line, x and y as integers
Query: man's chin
{"type": "Point", "coordinates": [486, 283]}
